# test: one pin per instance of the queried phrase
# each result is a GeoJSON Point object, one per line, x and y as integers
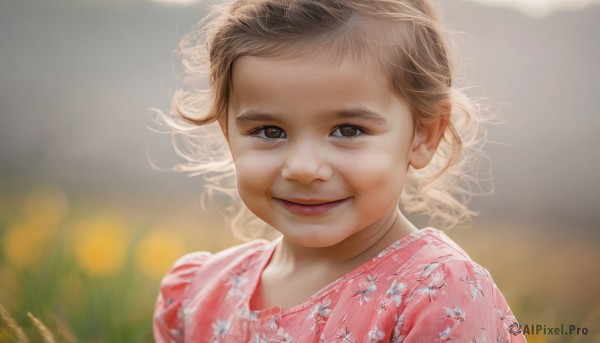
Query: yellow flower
{"type": "Point", "coordinates": [157, 251]}
{"type": "Point", "coordinates": [101, 245]}
{"type": "Point", "coordinates": [23, 244]}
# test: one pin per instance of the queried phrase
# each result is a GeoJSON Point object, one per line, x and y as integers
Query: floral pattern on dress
{"type": "Point", "coordinates": [422, 288]}
{"type": "Point", "coordinates": [220, 330]}
{"type": "Point", "coordinates": [366, 286]}
{"type": "Point", "coordinates": [318, 314]}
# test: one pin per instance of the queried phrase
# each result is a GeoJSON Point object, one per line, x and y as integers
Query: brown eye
{"type": "Point", "coordinates": [273, 132]}
{"type": "Point", "coordinates": [346, 131]}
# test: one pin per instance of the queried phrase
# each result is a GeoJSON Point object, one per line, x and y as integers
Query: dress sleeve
{"type": "Point", "coordinates": [458, 301]}
{"type": "Point", "coordinates": [168, 323]}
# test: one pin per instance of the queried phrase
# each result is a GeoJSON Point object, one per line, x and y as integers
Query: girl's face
{"type": "Point", "coordinates": [321, 149]}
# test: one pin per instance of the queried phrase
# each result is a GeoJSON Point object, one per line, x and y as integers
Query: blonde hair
{"type": "Point", "coordinates": [404, 37]}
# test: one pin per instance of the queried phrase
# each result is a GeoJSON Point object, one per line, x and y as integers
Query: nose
{"type": "Point", "coordinates": [306, 162]}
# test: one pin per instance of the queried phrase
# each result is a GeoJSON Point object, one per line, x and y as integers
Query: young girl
{"type": "Point", "coordinates": [335, 113]}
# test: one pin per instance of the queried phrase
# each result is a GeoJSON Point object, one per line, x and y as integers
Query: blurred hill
{"type": "Point", "coordinates": [77, 78]}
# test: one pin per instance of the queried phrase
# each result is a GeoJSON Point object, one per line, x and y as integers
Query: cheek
{"type": "Point", "coordinates": [382, 169]}
{"type": "Point", "coordinates": [380, 174]}
{"type": "Point", "coordinates": [255, 172]}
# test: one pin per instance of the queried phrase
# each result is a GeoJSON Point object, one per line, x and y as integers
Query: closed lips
{"type": "Point", "coordinates": [310, 202]}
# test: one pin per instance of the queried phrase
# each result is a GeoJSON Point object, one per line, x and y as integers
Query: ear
{"type": "Point", "coordinates": [426, 139]}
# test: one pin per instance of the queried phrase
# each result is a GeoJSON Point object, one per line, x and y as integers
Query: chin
{"type": "Point", "coordinates": [313, 237]}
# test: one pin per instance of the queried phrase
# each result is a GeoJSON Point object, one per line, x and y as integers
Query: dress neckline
{"type": "Point", "coordinates": [264, 256]}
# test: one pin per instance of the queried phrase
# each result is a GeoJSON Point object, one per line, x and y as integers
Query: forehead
{"type": "Point", "coordinates": [312, 81]}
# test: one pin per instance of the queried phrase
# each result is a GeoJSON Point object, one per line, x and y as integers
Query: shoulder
{"type": "Point", "coordinates": [168, 326]}
{"type": "Point", "coordinates": [184, 269]}
{"type": "Point", "coordinates": [175, 281]}
{"type": "Point", "coordinates": [453, 298]}
{"type": "Point", "coordinates": [439, 255]}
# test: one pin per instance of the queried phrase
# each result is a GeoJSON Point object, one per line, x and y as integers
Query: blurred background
{"type": "Point", "coordinates": [88, 227]}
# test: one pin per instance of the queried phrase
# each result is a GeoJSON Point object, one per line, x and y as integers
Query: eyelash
{"type": "Point", "coordinates": [256, 132]}
{"type": "Point", "coordinates": [360, 129]}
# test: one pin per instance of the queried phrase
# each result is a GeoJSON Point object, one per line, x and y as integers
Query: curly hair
{"type": "Point", "coordinates": [404, 37]}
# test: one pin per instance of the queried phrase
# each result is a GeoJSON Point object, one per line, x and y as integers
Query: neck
{"type": "Point", "coordinates": [351, 252]}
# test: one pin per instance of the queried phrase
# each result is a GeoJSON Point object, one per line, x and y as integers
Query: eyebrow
{"type": "Point", "coordinates": [252, 115]}
{"type": "Point", "coordinates": [353, 113]}
{"type": "Point", "coordinates": [359, 113]}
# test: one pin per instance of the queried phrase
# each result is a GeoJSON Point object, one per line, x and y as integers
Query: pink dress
{"type": "Point", "coordinates": [422, 288]}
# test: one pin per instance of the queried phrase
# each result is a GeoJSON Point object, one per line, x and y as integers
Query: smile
{"type": "Point", "coordinates": [309, 207]}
